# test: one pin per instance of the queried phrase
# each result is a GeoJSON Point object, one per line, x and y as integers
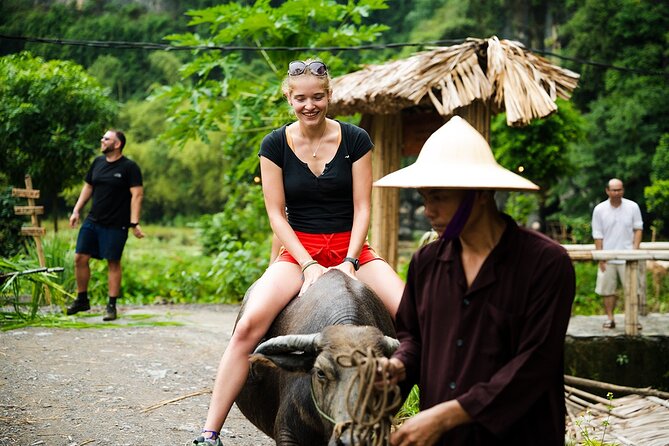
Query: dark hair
{"type": "Point", "coordinates": [121, 137]}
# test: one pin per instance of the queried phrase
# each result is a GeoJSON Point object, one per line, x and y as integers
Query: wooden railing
{"type": "Point", "coordinates": [634, 288]}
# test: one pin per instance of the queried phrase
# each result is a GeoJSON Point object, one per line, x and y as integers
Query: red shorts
{"type": "Point", "coordinates": [328, 249]}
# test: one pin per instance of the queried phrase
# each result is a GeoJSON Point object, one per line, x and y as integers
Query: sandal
{"type": "Point", "coordinates": [207, 441]}
{"type": "Point", "coordinates": [609, 324]}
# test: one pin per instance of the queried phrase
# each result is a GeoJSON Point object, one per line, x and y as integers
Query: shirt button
{"type": "Point", "coordinates": [466, 301]}
{"type": "Point", "coordinates": [459, 342]}
{"type": "Point", "coordinates": [452, 385]}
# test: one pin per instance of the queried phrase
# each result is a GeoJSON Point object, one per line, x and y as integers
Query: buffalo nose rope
{"type": "Point", "coordinates": [372, 411]}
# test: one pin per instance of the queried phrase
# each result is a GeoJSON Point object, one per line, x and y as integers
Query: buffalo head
{"type": "Point", "coordinates": [340, 362]}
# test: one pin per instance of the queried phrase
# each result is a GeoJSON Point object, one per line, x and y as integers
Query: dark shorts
{"type": "Point", "coordinates": [101, 242]}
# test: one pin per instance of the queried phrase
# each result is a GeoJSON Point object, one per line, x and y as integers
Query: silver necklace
{"type": "Point", "coordinates": [320, 141]}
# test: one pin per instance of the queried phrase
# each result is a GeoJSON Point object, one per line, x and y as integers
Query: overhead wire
{"type": "Point", "coordinates": [113, 44]}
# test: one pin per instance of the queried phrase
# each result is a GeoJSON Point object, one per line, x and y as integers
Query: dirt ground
{"type": "Point", "coordinates": [111, 385]}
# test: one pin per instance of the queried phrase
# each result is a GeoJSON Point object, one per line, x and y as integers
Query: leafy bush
{"type": "Point", "coordinates": [520, 206]}
{"type": "Point", "coordinates": [23, 289]}
{"type": "Point", "coordinates": [238, 265]}
{"type": "Point", "coordinates": [10, 224]}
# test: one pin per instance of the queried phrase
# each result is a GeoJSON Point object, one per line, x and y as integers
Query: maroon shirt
{"type": "Point", "coordinates": [496, 347]}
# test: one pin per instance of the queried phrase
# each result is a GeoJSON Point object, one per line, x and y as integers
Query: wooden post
{"type": "Point", "coordinates": [643, 311]}
{"type": "Point", "coordinates": [35, 230]}
{"type": "Point", "coordinates": [386, 133]}
{"type": "Point", "coordinates": [632, 297]}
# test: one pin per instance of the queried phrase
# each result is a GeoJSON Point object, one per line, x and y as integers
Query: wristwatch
{"type": "Point", "coordinates": [354, 261]}
{"type": "Point", "coordinates": [132, 225]}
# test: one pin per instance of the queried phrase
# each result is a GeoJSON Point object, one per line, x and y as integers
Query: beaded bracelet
{"type": "Point", "coordinates": [308, 264]}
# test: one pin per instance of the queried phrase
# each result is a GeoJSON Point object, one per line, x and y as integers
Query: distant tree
{"type": "Point", "coordinates": [627, 111]}
{"type": "Point", "coordinates": [51, 115]}
{"type": "Point", "coordinates": [541, 151]}
{"type": "Point", "coordinates": [129, 73]}
{"type": "Point", "coordinates": [657, 194]}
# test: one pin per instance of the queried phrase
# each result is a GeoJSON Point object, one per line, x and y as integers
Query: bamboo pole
{"type": "Point", "coordinates": [632, 298]}
{"type": "Point", "coordinates": [386, 133]}
{"type": "Point", "coordinates": [646, 391]}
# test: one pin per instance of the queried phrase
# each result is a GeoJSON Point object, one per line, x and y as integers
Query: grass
{"type": "Point", "coordinates": [80, 321]}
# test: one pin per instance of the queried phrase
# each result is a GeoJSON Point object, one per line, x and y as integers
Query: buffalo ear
{"type": "Point", "coordinates": [291, 362]}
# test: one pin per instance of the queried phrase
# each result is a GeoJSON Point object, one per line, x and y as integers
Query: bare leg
{"type": "Point", "coordinates": [385, 282]}
{"type": "Point", "coordinates": [610, 305]}
{"type": "Point", "coordinates": [280, 282]}
{"type": "Point", "coordinates": [114, 277]}
{"type": "Point", "coordinates": [82, 271]}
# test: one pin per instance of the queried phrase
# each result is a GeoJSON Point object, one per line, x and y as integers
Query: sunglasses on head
{"type": "Point", "coordinates": [297, 67]}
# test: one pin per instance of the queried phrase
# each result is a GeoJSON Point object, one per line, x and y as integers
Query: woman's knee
{"type": "Point", "coordinates": [247, 332]}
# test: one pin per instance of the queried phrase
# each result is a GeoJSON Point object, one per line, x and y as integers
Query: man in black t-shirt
{"type": "Point", "coordinates": [115, 184]}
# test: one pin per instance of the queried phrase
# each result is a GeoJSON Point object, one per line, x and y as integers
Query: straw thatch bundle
{"type": "Point", "coordinates": [633, 420]}
{"type": "Point", "coordinates": [640, 418]}
{"type": "Point", "coordinates": [499, 72]}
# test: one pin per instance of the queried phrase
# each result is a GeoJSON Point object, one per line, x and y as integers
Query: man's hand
{"type": "Point", "coordinates": [602, 265]}
{"type": "Point", "coordinates": [74, 219]}
{"type": "Point", "coordinates": [426, 427]}
{"type": "Point", "coordinates": [389, 372]}
{"type": "Point", "coordinates": [137, 231]}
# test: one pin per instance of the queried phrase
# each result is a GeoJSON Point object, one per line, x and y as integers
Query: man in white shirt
{"type": "Point", "coordinates": [616, 224]}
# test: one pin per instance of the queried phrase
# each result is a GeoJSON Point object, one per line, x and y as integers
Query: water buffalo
{"type": "Point", "coordinates": [298, 384]}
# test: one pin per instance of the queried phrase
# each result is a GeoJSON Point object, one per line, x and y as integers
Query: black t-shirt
{"type": "Point", "coordinates": [111, 190]}
{"type": "Point", "coordinates": [318, 204]}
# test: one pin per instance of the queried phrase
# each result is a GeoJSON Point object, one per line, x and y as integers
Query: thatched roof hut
{"type": "Point", "coordinates": [404, 101]}
{"type": "Point", "coordinates": [500, 71]}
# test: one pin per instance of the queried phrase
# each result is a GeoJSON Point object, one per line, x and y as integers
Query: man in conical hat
{"type": "Point", "coordinates": [485, 310]}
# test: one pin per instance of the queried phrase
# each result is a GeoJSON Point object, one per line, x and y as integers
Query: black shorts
{"type": "Point", "coordinates": [101, 242]}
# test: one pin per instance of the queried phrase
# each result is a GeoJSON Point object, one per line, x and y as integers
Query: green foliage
{"type": "Point", "coordinates": [657, 194]}
{"type": "Point", "coordinates": [576, 229]}
{"type": "Point", "coordinates": [410, 406]}
{"type": "Point", "coordinates": [178, 180]}
{"type": "Point", "coordinates": [10, 225]}
{"type": "Point", "coordinates": [51, 115]}
{"type": "Point", "coordinates": [520, 206]}
{"type": "Point", "coordinates": [238, 265]}
{"type": "Point", "coordinates": [25, 292]}
{"type": "Point", "coordinates": [627, 112]}
{"type": "Point", "coordinates": [540, 151]}
{"type": "Point", "coordinates": [128, 74]}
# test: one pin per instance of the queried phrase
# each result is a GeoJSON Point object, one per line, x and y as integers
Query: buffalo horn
{"type": "Point", "coordinates": [307, 343]}
{"type": "Point", "coordinates": [389, 345]}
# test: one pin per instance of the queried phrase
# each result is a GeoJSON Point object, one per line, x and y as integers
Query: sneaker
{"type": "Point", "coordinates": [208, 442]}
{"type": "Point", "coordinates": [111, 313]}
{"type": "Point", "coordinates": [78, 305]}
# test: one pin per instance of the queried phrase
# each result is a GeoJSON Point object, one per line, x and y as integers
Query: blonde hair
{"type": "Point", "coordinates": [287, 84]}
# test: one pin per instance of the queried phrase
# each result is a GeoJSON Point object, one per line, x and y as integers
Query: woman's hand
{"type": "Point", "coordinates": [346, 267]}
{"type": "Point", "coordinates": [310, 274]}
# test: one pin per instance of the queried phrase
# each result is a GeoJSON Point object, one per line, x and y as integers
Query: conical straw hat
{"type": "Point", "coordinates": [456, 157]}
